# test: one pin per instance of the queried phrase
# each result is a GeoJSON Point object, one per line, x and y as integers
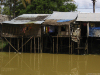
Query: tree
{"type": "Point", "coordinates": [40, 6]}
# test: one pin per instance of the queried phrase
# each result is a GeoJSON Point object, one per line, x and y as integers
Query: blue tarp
{"type": "Point", "coordinates": [63, 20]}
{"type": "Point", "coordinates": [93, 30]}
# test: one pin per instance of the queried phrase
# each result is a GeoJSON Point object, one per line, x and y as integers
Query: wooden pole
{"type": "Point", "coordinates": [31, 46]}
{"type": "Point", "coordinates": [57, 43]}
{"type": "Point", "coordinates": [9, 45]}
{"type": "Point", "coordinates": [18, 43]}
{"type": "Point", "coordinates": [69, 38]}
{"type": "Point", "coordinates": [38, 44]}
{"type": "Point", "coordinates": [53, 45]}
{"type": "Point", "coordinates": [2, 45]}
{"type": "Point", "coordinates": [22, 44]}
{"type": "Point", "coordinates": [34, 46]}
{"type": "Point", "coordinates": [71, 47]}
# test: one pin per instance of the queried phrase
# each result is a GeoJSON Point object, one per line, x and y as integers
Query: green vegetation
{"type": "Point", "coordinates": [3, 44]}
{"type": "Point", "coordinates": [19, 7]}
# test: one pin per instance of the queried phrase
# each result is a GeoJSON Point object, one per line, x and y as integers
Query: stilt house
{"type": "Point", "coordinates": [58, 27]}
{"type": "Point", "coordinates": [24, 27]}
{"type": "Point", "coordinates": [89, 25]}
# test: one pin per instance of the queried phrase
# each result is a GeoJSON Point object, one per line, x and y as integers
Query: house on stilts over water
{"type": "Point", "coordinates": [56, 32]}
{"type": "Point", "coordinates": [87, 30]}
{"type": "Point", "coordinates": [23, 33]}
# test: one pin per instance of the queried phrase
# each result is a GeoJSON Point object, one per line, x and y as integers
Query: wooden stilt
{"type": "Point", "coordinates": [34, 46]}
{"type": "Point", "coordinates": [69, 44]}
{"type": "Point", "coordinates": [31, 46]}
{"type": "Point", "coordinates": [61, 45]}
{"type": "Point", "coordinates": [26, 42]}
{"type": "Point", "coordinates": [41, 46]}
{"type": "Point", "coordinates": [38, 44]}
{"type": "Point", "coordinates": [87, 45]}
{"type": "Point", "coordinates": [2, 45]}
{"type": "Point", "coordinates": [57, 43]}
{"type": "Point", "coordinates": [18, 43]}
{"type": "Point", "coordinates": [22, 43]}
{"type": "Point", "coordinates": [53, 45]}
{"type": "Point", "coordinates": [78, 47]}
{"type": "Point", "coordinates": [71, 47]}
{"type": "Point", "coordinates": [9, 45]}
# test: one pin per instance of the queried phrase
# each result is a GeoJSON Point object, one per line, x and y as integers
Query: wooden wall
{"type": "Point", "coordinates": [10, 30]}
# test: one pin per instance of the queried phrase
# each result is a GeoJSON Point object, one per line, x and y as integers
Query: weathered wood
{"type": "Point", "coordinates": [57, 43]}
{"type": "Point", "coordinates": [26, 42]}
{"type": "Point", "coordinates": [22, 43]}
{"type": "Point", "coordinates": [11, 45]}
{"type": "Point", "coordinates": [38, 44]}
{"type": "Point", "coordinates": [2, 44]}
{"type": "Point", "coordinates": [71, 47]}
{"type": "Point", "coordinates": [69, 38]}
{"type": "Point", "coordinates": [31, 46]}
{"type": "Point", "coordinates": [18, 43]}
{"type": "Point", "coordinates": [41, 44]}
{"type": "Point", "coordinates": [53, 45]}
{"type": "Point", "coordinates": [34, 46]}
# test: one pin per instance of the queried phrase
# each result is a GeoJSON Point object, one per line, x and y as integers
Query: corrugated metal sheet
{"type": "Point", "coordinates": [63, 15]}
{"type": "Point", "coordinates": [29, 18]}
{"type": "Point", "coordinates": [88, 17]}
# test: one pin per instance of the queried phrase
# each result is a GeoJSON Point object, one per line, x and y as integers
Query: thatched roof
{"type": "Point", "coordinates": [54, 22]}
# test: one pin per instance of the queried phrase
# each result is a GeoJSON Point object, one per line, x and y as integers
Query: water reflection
{"type": "Point", "coordinates": [48, 64]}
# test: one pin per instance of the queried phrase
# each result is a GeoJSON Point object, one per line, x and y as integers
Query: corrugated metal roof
{"type": "Point", "coordinates": [88, 17]}
{"type": "Point", "coordinates": [63, 15]}
{"type": "Point", "coordinates": [29, 18]}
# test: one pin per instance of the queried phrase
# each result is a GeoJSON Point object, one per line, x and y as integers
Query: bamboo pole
{"type": "Point", "coordinates": [41, 44]}
{"type": "Point", "coordinates": [26, 42]}
{"type": "Point", "coordinates": [57, 43]}
{"type": "Point", "coordinates": [18, 43]}
{"type": "Point", "coordinates": [2, 45]}
{"type": "Point", "coordinates": [53, 45]}
{"type": "Point", "coordinates": [9, 45]}
{"type": "Point", "coordinates": [22, 43]}
{"type": "Point", "coordinates": [69, 38]}
{"type": "Point", "coordinates": [34, 46]}
{"type": "Point", "coordinates": [31, 46]}
{"type": "Point", "coordinates": [38, 44]}
{"type": "Point", "coordinates": [71, 47]}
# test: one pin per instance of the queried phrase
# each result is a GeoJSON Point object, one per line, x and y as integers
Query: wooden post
{"type": "Point", "coordinates": [71, 47]}
{"type": "Point", "coordinates": [57, 43]}
{"type": "Point", "coordinates": [38, 44]}
{"type": "Point", "coordinates": [41, 43]}
{"type": "Point", "coordinates": [78, 47]}
{"type": "Point", "coordinates": [69, 38]}
{"type": "Point", "coordinates": [18, 43]}
{"type": "Point", "coordinates": [53, 45]}
{"type": "Point", "coordinates": [31, 46]}
{"type": "Point", "coordinates": [9, 45]}
{"type": "Point", "coordinates": [34, 46]}
{"type": "Point", "coordinates": [2, 45]}
{"type": "Point", "coordinates": [22, 43]}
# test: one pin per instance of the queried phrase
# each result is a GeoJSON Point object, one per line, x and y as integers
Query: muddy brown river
{"type": "Point", "coordinates": [48, 64]}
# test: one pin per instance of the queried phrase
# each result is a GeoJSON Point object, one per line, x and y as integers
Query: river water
{"type": "Point", "coordinates": [48, 64]}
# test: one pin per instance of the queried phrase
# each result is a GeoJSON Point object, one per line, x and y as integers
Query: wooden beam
{"type": "Point", "coordinates": [31, 46]}
{"type": "Point", "coordinates": [11, 45]}
{"type": "Point", "coordinates": [57, 43]}
{"type": "Point", "coordinates": [38, 44]}
{"type": "Point", "coordinates": [22, 43]}
{"type": "Point", "coordinates": [53, 45]}
{"type": "Point", "coordinates": [25, 43]}
{"type": "Point", "coordinates": [34, 46]}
